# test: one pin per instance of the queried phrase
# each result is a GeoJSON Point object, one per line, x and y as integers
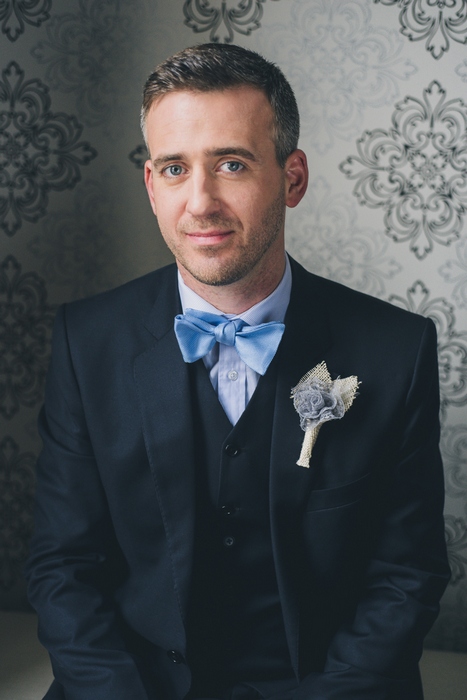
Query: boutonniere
{"type": "Point", "coordinates": [317, 399]}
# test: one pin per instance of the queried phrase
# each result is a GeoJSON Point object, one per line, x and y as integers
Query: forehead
{"type": "Point", "coordinates": [185, 117]}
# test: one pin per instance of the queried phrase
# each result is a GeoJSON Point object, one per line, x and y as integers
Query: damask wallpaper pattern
{"type": "Point", "coordinates": [417, 170]}
{"type": "Point", "coordinates": [16, 14]}
{"type": "Point", "coordinates": [381, 89]}
{"type": "Point", "coordinates": [438, 21]}
{"type": "Point", "coordinates": [223, 22]}
{"type": "Point", "coordinates": [40, 150]}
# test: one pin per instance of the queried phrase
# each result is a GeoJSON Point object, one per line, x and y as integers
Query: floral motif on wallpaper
{"type": "Point", "coordinates": [25, 336]}
{"type": "Point", "coordinates": [340, 64]}
{"type": "Point", "coordinates": [437, 21]}
{"type": "Point", "coordinates": [16, 506]}
{"type": "Point", "coordinates": [323, 233]}
{"type": "Point", "coordinates": [139, 156]}
{"type": "Point", "coordinates": [76, 247]}
{"type": "Point", "coordinates": [454, 451]}
{"type": "Point", "coordinates": [241, 16]}
{"type": "Point", "coordinates": [452, 345]}
{"type": "Point", "coordinates": [455, 272]}
{"type": "Point", "coordinates": [39, 150]}
{"type": "Point", "coordinates": [416, 171]}
{"type": "Point", "coordinates": [456, 538]}
{"type": "Point", "coordinates": [461, 69]}
{"type": "Point", "coordinates": [86, 53]}
{"type": "Point", "coordinates": [14, 14]}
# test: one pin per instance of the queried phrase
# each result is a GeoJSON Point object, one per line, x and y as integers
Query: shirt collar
{"type": "Point", "coordinates": [272, 308]}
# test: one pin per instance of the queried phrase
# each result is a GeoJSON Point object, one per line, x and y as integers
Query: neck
{"type": "Point", "coordinates": [239, 296]}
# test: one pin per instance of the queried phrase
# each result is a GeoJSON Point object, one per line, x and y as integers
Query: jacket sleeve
{"type": "Point", "coordinates": [73, 555]}
{"type": "Point", "coordinates": [374, 656]}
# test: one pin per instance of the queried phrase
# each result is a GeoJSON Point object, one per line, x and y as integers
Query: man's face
{"type": "Point", "coordinates": [215, 185]}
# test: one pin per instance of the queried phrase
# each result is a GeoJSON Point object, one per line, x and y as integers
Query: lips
{"type": "Point", "coordinates": [208, 237]}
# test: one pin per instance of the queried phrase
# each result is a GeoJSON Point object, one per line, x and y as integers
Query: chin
{"type": "Point", "coordinates": [219, 275]}
{"type": "Point", "coordinates": [216, 279]}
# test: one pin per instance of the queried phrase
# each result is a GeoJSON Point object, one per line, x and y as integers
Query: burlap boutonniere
{"type": "Point", "coordinates": [317, 399]}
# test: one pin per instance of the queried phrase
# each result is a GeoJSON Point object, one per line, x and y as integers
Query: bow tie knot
{"type": "Point", "coordinates": [226, 332]}
{"type": "Point", "coordinates": [198, 331]}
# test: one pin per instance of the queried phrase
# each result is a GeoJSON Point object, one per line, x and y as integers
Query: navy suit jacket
{"type": "Point", "coordinates": [358, 538]}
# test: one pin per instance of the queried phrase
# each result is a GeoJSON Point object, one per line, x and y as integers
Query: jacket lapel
{"type": "Point", "coordinates": [304, 344]}
{"type": "Point", "coordinates": [161, 377]}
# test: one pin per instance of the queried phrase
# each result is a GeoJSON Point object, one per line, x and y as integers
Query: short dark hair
{"type": "Point", "coordinates": [209, 67]}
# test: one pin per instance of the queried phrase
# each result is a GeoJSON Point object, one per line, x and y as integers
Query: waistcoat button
{"type": "Point", "coordinates": [228, 511]}
{"type": "Point", "coordinates": [175, 656]}
{"type": "Point", "coordinates": [229, 541]}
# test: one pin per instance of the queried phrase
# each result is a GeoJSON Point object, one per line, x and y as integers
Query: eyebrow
{"type": "Point", "coordinates": [233, 151]}
{"type": "Point", "coordinates": [216, 152]}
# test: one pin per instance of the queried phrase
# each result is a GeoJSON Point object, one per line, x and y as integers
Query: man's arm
{"type": "Point", "coordinates": [74, 557]}
{"type": "Point", "coordinates": [374, 655]}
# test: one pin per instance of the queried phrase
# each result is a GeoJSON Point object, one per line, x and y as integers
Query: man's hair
{"type": "Point", "coordinates": [209, 67]}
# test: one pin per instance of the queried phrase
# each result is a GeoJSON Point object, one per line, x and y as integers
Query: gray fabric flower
{"type": "Point", "coordinates": [316, 403]}
{"type": "Point", "coordinates": [317, 399]}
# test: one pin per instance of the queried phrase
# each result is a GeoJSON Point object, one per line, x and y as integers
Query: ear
{"type": "Point", "coordinates": [296, 177]}
{"type": "Point", "coordinates": [148, 181]}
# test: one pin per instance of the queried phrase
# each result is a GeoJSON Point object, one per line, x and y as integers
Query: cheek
{"type": "Point", "coordinates": [166, 207]}
{"type": "Point", "coordinates": [244, 204]}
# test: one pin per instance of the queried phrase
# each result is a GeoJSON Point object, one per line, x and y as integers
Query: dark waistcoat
{"type": "Point", "coordinates": [235, 628]}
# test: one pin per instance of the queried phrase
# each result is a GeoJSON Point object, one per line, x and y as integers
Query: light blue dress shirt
{"type": "Point", "coordinates": [231, 378]}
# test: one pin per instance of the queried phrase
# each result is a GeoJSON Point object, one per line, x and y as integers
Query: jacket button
{"type": "Point", "coordinates": [231, 450]}
{"type": "Point", "coordinates": [175, 656]}
{"type": "Point", "coordinates": [229, 541]}
{"type": "Point", "coordinates": [228, 511]}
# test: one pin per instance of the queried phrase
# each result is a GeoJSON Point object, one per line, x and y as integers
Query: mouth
{"type": "Point", "coordinates": [209, 237]}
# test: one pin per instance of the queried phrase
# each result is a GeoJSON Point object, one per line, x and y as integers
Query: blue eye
{"type": "Point", "coordinates": [233, 166]}
{"type": "Point", "coordinates": [173, 170]}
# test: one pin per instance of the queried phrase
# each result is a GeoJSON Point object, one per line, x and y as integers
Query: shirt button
{"type": "Point", "coordinates": [231, 450]}
{"type": "Point", "coordinates": [175, 656]}
{"type": "Point", "coordinates": [233, 375]}
{"type": "Point", "coordinates": [229, 541]}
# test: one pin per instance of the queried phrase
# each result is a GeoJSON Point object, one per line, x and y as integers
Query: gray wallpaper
{"type": "Point", "coordinates": [382, 89]}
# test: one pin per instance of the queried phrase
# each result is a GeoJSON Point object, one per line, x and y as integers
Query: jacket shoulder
{"type": "Point", "coordinates": [132, 299]}
{"type": "Point", "coordinates": [345, 305]}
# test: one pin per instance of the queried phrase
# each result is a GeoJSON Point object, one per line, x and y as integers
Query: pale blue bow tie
{"type": "Point", "coordinates": [198, 331]}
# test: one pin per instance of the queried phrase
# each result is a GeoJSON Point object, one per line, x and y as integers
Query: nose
{"type": "Point", "coordinates": [202, 194]}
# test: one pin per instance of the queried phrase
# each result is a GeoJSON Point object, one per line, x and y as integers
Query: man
{"type": "Point", "coordinates": [180, 551]}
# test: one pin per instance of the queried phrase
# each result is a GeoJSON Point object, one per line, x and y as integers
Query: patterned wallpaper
{"type": "Point", "coordinates": [381, 85]}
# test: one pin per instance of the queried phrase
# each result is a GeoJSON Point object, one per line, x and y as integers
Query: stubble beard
{"type": "Point", "coordinates": [245, 258]}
